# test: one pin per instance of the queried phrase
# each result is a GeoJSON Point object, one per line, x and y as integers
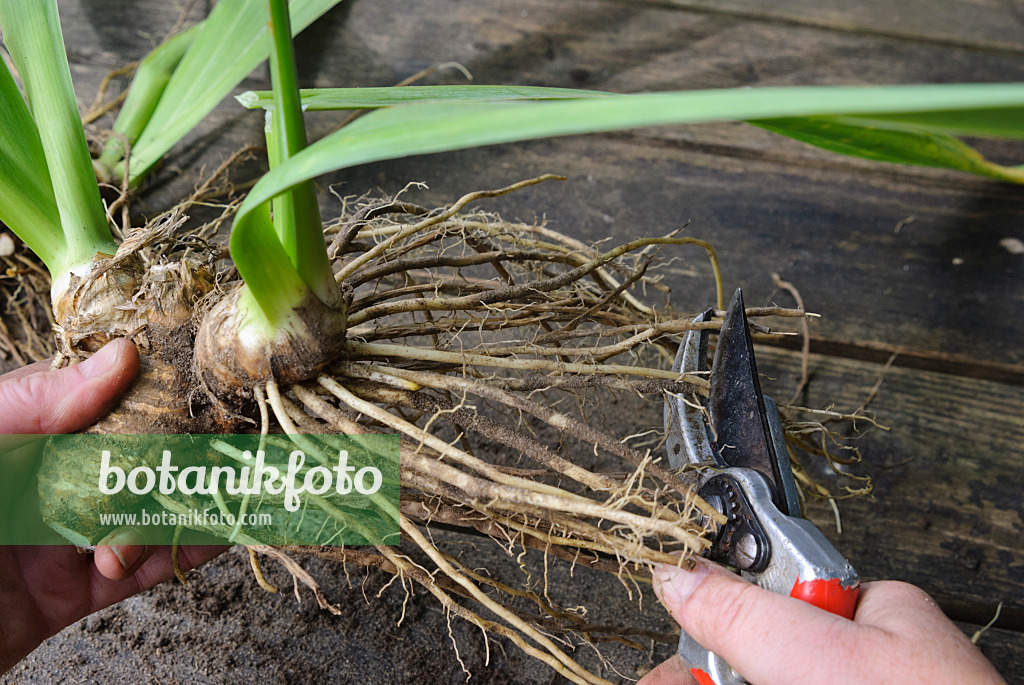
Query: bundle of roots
{"type": "Point", "coordinates": [470, 337]}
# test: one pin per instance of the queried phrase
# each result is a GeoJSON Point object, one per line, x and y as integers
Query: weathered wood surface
{"type": "Point", "coordinates": [987, 26]}
{"type": "Point", "coordinates": [891, 257]}
{"type": "Point", "coordinates": [879, 244]}
{"type": "Point", "coordinates": [946, 513]}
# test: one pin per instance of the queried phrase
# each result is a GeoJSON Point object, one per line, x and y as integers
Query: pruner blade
{"type": "Point", "coordinates": [687, 440]}
{"type": "Point", "coordinates": [747, 429]}
{"type": "Point", "coordinates": [737, 426]}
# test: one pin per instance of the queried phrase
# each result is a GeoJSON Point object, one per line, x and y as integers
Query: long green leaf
{"type": "Point", "coordinates": [912, 138]}
{"type": "Point", "coordinates": [296, 212]}
{"type": "Point", "coordinates": [33, 36]}
{"type": "Point", "coordinates": [921, 138]}
{"type": "Point", "coordinates": [326, 99]}
{"type": "Point", "coordinates": [886, 141]}
{"type": "Point", "coordinates": [989, 116]}
{"type": "Point", "coordinates": [27, 204]}
{"type": "Point", "coordinates": [148, 84]}
{"type": "Point", "coordinates": [422, 128]}
{"type": "Point", "coordinates": [231, 43]}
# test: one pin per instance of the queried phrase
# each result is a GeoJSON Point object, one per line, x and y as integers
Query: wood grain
{"type": "Point", "coordinates": [892, 257]}
{"type": "Point", "coordinates": [993, 26]}
{"type": "Point", "coordinates": [946, 512]}
{"type": "Point", "coordinates": [877, 243]}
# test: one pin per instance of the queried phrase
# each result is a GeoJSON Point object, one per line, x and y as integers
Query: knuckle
{"type": "Point", "coordinates": [900, 593]}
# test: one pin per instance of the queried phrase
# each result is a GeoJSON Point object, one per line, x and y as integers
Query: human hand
{"type": "Point", "coordinates": [46, 588]}
{"type": "Point", "coordinates": [898, 635]}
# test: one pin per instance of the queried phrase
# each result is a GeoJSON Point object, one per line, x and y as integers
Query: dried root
{"type": "Point", "coordinates": [26, 319]}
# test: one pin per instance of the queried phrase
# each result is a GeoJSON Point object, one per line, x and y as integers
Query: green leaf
{"type": "Point", "coordinates": [148, 84]}
{"type": "Point", "coordinates": [27, 204]}
{"type": "Point", "coordinates": [435, 127]}
{"type": "Point", "coordinates": [985, 122]}
{"type": "Point", "coordinates": [231, 43]}
{"type": "Point", "coordinates": [906, 138]}
{"type": "Point", "coordinates": [271, 279]}
{"type": "Point", "coordinates": [889, 142]}
{"type": "Point", "coordinates": [296, 212]}
{"type": "Point", "coordinates": [327, 99]}
{"type": "Point", "coordinates": [974, 109]}
{"type": "Point", "coordinates": [33, 36]}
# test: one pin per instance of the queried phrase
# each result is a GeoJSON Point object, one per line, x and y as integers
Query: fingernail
{"type": "Point", "coordinates": [673, 584]}
{"type": "Point", "coordinates": [103, 361]}
{"type": "Point", "coordinates": [127, 544]}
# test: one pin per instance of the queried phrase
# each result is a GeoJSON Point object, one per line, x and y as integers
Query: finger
{"type": "Point", "coordinates": [155, 570]}
{"type": "Point", "coordinates": [770, 639]}
{"type": "Point", "coordinates": [63, 401]}
{"type": "Point", "coordinates": [895, 606]}
{"type": "Point", "coordinates": [913, 619]}
{"type": "Point", "coordinates": [122, 553]}
{"type": "Point", "coordinates": [672, 671]}
{"type": "Point", "coordinates": [35, 367]}
{"type": "Point", "coordinates": [124, 550]}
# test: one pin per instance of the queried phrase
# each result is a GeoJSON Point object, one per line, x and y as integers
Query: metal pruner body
{"type": "Point", "coordinates": [735, 451]}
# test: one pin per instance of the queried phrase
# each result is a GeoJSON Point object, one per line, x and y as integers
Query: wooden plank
{"type": "Point", "coordinates": [873, 243]}
{"type": "Point", "coordinates": [91, 38]}
{"type": "Point", "coordinates": [946, 512]}
{"type": "Point", "coordinates": [632, 46]}
{"type": "Point", "coordinates": [958, 365]}
{"type": "Point", "coordinates": [982, 25]}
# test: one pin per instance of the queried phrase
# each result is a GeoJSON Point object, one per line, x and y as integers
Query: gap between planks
{"type": "Point", "coordinates": [979, 613]}
{"type": "Point", "coordinates": [906, 357]}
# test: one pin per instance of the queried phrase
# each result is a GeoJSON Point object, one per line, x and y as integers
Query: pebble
{"type": "Point", "coordinates": [1012, 245]}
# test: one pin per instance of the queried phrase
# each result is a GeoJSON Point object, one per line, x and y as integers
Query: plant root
{"type": "Point", "coordinates": [483, 344]}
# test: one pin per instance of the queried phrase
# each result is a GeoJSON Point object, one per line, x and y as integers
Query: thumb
{"type": "Point", "coordinates": [67, 400]}
{"type": "Point", "coordinates": [769, 639]}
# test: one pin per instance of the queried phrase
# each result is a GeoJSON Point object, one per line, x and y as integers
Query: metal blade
{"type": "Point", "coordinates": [687, 441]}
{"type": "Point", "coordinates": [742, 432]}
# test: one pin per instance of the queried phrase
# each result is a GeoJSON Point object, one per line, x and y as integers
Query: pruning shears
{"type": "Point", "coordinates": [733, 447]}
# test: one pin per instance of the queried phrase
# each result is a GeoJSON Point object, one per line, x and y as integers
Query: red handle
{"type": "Point", "coordinates": [702, 677]}
{"type": "Point", "coordinates": [829, 595]}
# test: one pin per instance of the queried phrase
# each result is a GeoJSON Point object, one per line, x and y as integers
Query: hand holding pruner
{"type": "Point", "coordinates": [734, 445]}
